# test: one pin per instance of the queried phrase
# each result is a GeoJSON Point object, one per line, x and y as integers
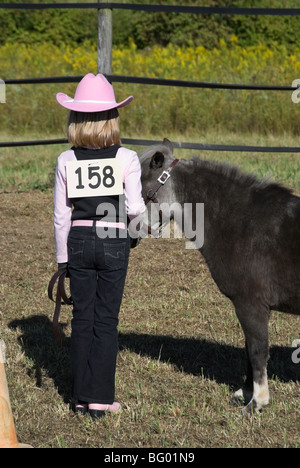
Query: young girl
{"type": "Point", "coordinates": [98, 184]}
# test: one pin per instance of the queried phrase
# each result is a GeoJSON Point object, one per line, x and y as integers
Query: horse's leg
{"type": "Point", "coordinates": [244, 395]}
{"type": "Point", "coordinates": [255, 321]}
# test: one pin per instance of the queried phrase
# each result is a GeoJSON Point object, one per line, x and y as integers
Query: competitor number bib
{"type": "Point", "coordinates": [94, 178]}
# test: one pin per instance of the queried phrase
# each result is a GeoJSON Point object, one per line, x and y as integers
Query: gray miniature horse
{"type": "Point", "coordinates": [251, 246]}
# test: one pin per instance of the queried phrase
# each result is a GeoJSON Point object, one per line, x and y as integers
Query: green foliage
{"type": "Point", "coordinates": [59, 27]}
{"type": "Point", "coordinates": [147, 29]}
{"type": "Point", "coordinates": [72, 27]}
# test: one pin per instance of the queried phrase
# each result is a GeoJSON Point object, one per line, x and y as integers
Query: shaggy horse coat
{"type": "Point", "coordinates": [252, 246]}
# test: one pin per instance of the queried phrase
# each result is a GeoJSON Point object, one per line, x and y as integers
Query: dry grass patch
{"type": "Point", "coordinates": [181, 350]}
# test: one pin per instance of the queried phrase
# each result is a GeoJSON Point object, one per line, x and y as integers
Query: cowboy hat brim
{"type": "Point", "coordinates": [89, 105]}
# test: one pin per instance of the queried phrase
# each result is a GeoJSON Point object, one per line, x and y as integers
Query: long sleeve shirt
{"type": "Point", "coordinates": [135, 205]}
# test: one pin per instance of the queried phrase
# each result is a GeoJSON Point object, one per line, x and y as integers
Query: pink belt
{"type": "Point", "coordinates": [90, 223]}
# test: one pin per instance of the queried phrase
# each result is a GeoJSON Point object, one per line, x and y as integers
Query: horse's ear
{"type": "Point", "coordinates": [168, 144]}
{"type": "Point", "coordinates": [157, 160]}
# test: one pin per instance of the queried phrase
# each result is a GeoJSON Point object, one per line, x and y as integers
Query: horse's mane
{"type": "Point", "coordinates": [233, 176]}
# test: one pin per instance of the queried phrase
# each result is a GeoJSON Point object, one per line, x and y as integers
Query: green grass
{"type": "Point", "coordinates": [33, 108]}
{"type": "Point", "coordinates": [34, 167]}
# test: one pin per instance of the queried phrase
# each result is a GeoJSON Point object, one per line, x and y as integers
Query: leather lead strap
{"type": "Point", "coordinates": [61, 299]}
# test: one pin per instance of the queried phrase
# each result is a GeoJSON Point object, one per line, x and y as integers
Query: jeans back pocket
{"type": "Point", "coordinates": [115, 255]}
{"type": "Point", "coordinates": [75, 251]}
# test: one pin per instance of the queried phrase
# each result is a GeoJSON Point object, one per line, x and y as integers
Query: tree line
{"type": "Point", "coordinates": [71, 27]}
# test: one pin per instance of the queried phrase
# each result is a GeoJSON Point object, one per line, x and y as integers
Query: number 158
{"type": "Point", "coordinates": [108, 179]}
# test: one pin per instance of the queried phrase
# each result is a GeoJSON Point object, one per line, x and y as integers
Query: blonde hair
{"type": "Point", "coordinates": [95, 129]}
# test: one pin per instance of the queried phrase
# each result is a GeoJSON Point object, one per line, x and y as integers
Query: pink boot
{"type": "Point", "coordinates": [97, 411]}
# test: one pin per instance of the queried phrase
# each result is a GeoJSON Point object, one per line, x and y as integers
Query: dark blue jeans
{"type": "Point", "coordinates": [97, 269]}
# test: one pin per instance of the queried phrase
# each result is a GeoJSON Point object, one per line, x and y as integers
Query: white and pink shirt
{"type": "Point", "coordinates": [135, 205]}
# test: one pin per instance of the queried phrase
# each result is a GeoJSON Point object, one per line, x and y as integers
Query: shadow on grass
{"type": "Point", "coordinates": [218, 361]}
{"type": "Point", "coordinates": [39, 346]}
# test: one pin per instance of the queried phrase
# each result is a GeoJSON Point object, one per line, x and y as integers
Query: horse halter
{"type": "Point", "coordinates": [152, 194]}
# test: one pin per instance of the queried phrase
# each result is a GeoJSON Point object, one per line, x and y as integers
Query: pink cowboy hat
{"type": "Point", "coordinates": [93, 94]}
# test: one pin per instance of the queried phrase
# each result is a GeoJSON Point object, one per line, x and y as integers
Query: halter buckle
{"type": "Point", "coordinates": [165, 176]}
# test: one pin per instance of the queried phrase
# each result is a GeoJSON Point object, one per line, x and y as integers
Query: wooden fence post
{"type": "Point", "coordinates": [104, 56]}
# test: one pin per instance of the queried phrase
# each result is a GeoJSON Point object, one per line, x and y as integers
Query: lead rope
{"type": "Point", "coordinates": [61, 299]}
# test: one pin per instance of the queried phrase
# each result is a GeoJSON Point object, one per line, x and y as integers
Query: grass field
{"type": "Point", "coordinates": [34, 107]}
{"type": "Point", "coordinates": [33, 167]}
{"type": "Point", "coordinates": [181, 346]}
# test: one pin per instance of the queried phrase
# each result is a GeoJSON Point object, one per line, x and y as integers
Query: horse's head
{"type": "Point", "coordinates": [158, 191]}
{"type": "Point", "coordinates": [155, 161]}
{"type": "Point", "coordinates": [162, 190]}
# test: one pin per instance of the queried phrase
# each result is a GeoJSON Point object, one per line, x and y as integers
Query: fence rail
{"type": "Point", "coordinates": [179, 145]}
{"type": "Point", "coordinates": [100, 6]}
{"type": "Point", "coordinates": [157, 8]}
{"type": "Point", "coordinates": [153, 81]}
